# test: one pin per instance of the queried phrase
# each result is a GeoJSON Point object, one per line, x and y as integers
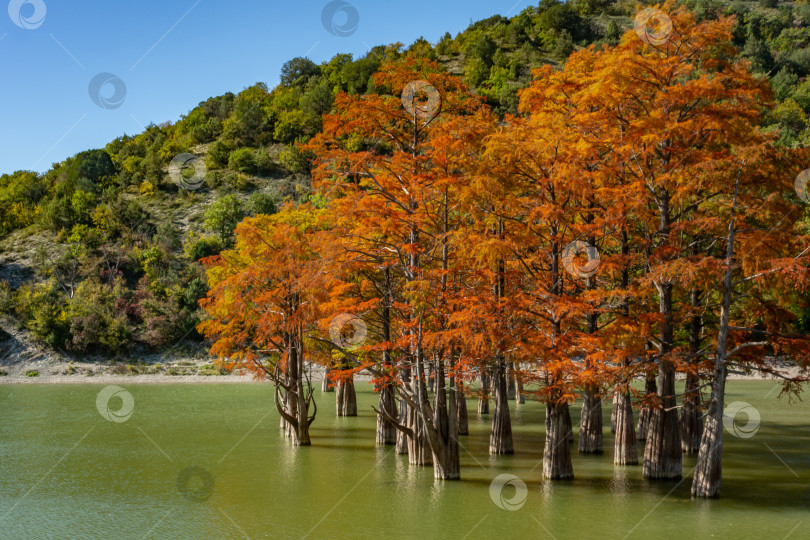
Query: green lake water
{"type": "Point", "coordinates": [67, 472]}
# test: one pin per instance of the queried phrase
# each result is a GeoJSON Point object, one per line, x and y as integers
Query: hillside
{"type": "Point", "coordinates": [98, 256]}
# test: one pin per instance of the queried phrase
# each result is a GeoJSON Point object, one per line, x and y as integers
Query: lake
{"type": "Point", "coordinates": [207, 460]}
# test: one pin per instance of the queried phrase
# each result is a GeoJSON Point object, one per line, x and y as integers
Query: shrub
{"type": "Point", "coordinates": [262, 203]}
{"type": "Point", "coordinates": [218, 155]}
{"type": "Point", "coordinates": [265, 165]}
{"type": "Point", "coordinates": [32, 373]}
{"type": "Point", "coordinates": [294, 160]}
{"type": "Point", "coordinates": [198, 247]}
{"type": "Point", "coordinates": [242, 160]}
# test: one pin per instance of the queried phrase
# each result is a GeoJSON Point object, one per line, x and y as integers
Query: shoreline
{"type": "Point", "coordinates": [24, 362]}
{"type": "Point", "coordinates": [168, 375]}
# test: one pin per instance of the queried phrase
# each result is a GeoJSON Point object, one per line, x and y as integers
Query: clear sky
{"type": "Point", "coordinates": [164, 57]}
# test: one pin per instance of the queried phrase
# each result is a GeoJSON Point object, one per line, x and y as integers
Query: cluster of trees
{"type": "Point", "coordinates": [457, 241]}
{"type": "Point", "coordinates": [120, 200]}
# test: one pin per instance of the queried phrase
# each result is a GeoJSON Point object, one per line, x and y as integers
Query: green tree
{"type": "Point", "coordinates": [298, 71]}
{"type": "Point", "coordinates": [222, 217]}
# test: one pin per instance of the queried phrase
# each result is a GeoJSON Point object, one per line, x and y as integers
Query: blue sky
{"type": "Point", "coordinates": [170, 55]}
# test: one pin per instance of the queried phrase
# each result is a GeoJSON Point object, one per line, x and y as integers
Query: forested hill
{"type": "Point", "coordinates": [98, 255]}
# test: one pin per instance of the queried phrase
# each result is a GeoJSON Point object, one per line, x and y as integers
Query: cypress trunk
{"type": "Point", "coordinates": [445, 447]}
{"type": "Point", "coordinates": [690, 420]}
{"type": "Point", "coordinates": [650, 388]}
{"type": "Point", "coordinates": [346, 398]}
{"type": "Point", "coordinates": [418, 448]}
{"type": "Point", "coordinates": [483, 401]}
{"type": "Point", "coordinates": [386, 432]}
{"type": "Point", "coordinates": [500, 440]}
{"type": "Point", "coordinates": [663, 455]}
{"type": "Point", "coordinates": [463, 421]}
{"type": "Point", "coordinates": [521, 398]}
{"type": "Point", "coordinates": [292, 400]}
{"type": "Point", "coordinates": [402, 438]}
{"type": "Point", "coordinates": [613, 412]}
{"type": "Point", "coordinates": [557, 463]}
{"type": "Point", "coordinates": [326, 384]}
{"type": "Point", "coordinates": [510, 379]}
{"type": "Point", "coordinates": [624, 445]}
{"type": "Point", "coordinates": [708, 471]}
{"type": "Point", "coordinates": [569, 425]}
{"type": "Point", "coordinates": [590, 423]}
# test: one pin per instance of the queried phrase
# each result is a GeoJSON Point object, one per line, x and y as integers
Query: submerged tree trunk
{"type": "Point", "coordinates": [326, 384]}
{"type": "Point", "coordinates": [614, 411]}
{"type": "Point", "coordinates": [483, 401]}
{"type": "Point", "coordinates": [511, 388]}
{"type": "Point", "coordinates": [590, 423]}
{"type": "Point", "coordinates": [500, 440]}
{"type": "Point", "coordinates": [690, 419]}
{"type": "Point", "coordinates": [650, 389]}
{"type": "Point", "coordinates": [444, 439]}
{"type": "Point", "coordinates": [293, 396]}
{"type": "Point", "coordinates": [386, 431]}
{"type": "Point", "coordinates": [708, 471]}
{"type": "Point", "coordinates": [463, 421]}
{"type": "Point", "coordinates": [624, 446]}
{"type": "Point", "coordinates": [521, 397]}
{"type": "Point", "coordinates": [663, 455]}
{"type": "Point", "coordinates": [418, 448]}
{"type": "Point", "coordinates": [402, 438]}
{"type": "Point", "coordinates": [557, 463]}
{"type": "Point", "coordinates": [569, 425]}
{"type": "Point", "coordinates": [346, 398]}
